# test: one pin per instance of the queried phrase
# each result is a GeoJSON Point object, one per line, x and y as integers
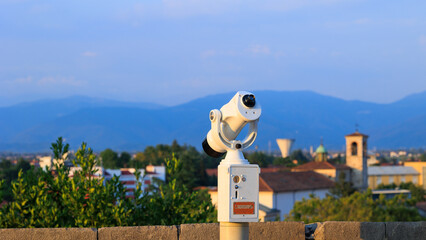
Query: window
{"type": "Point", "coordinates": [379, 180]}
{"type": "Point", "coordinates": [415, 179]}
{"type": "Point", "coordinates": [390, 179]}
{"type": "Point", "coordinates": [354, 149]}
{"type": "Point", "coordinates": [402, 178]}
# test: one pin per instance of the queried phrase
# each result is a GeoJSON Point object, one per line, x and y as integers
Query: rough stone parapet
{"type": "Point", "coordinates": [277, 230]}
{"type": "Point", "coordinates": [268, 230]}
{"type": "Point", "coordinates": [138, 233]}
{"type": "Point", "coordinates": [200, 231]}
{"type": "Point", "coordinates": [405, 230]}
{"type": "Point", "coordinates": [48, 233]}
{"type": "Point", "coordinates": [350, 231]}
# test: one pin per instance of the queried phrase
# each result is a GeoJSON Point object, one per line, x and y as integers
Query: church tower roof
{"type": "Point", "coordinates": [357, 134]}
{"type": "Point", "coordinates": [321, 149]}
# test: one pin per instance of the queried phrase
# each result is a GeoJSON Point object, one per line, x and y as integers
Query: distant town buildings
{"type": "Point", "coordinates": [44, 161]}
{"type": "Point", "coordinates": [128, 178]}
{"type": "Point", "coordinates": [358, 167]}
{"type": "Point", "coordinates": [279, 189]}
{"type": "Point", "coordinates": [420, 167]}
{"type": "Point", "coordinates": [372, 160]}
{"type": "Point", "coordinates": [330, 170]}
{"type": "Point", "coordinates": [391, 174]}
{"type": "Point", "coordinates": [49, 161]}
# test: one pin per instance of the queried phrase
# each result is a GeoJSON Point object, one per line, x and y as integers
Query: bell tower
{"type": "Point", "coordinates": [356, 158]}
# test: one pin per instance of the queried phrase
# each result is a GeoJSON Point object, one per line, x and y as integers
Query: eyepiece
{"type": "Point", "coordinates": [210, 151]}
{"type": "Point", "coordinates": [249, 100]}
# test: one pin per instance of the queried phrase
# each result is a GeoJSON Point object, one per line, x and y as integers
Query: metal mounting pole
{"type": "Point", "coordinates": [234, 231]}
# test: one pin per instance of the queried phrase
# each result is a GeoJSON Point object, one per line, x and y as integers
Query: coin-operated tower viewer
{"type": "Point", "coordinates": [238, 181]}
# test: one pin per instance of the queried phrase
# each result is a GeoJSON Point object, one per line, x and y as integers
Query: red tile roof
{"type": "Point", "coordinates": [274, 169]}
{"type": "Point", "coordinates": [319, 165]}
{"type": "Point", "coordinates": [128, 182]}
{"type": "Point", "coordinates": [293, 181]}
{"type": "Point", "coordinates": [126, 172]}
{"type": "Point", "coordinates": [212, 189]}
{"type": "Point", "coordinates": [356, 134]}
{"type": "Point", "coordinates": [211, 171]}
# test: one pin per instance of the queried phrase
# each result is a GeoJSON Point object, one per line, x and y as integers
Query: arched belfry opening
{"type": "Point", "coordinates": [354, 149]}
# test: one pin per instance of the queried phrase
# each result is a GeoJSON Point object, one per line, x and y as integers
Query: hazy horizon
{"type": "Point", "coordinates": [171, 105]}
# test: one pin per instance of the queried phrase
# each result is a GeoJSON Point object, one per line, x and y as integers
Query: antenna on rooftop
{"type": "Point", "coordinates": [356, 127]}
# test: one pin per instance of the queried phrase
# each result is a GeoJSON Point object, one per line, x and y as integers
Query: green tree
{"type": "Point", "coordinates": [283, 162]}
{"type": "Point", "coordinates": [109, 159]}
{"type": "Point", "coordinates": [54, 199]}
{"type": "Point", "coordinates": [418, 194]}
{"type": "Point", "coordinates": [299, 156]}
{"type": "Point", "coordinates": [342, 188]}
{"type": "Point", "coordinates": [355, 207]}
{"type": "Point", "coordinates": [173, 203]}
{"type": "Point", "coordinates": [59, 149]}
{"type": "Point", "coordinates": [193, 171]}
{"type": "Point", "coordinates": [259, 158]}
{"type": "Point", "coordinates": [338, 159]}
{"type": "Point", "coordinates": [9, 173]}
{"type": "Point", "coordinates": [124, 160]}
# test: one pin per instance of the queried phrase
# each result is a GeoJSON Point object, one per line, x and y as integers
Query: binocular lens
{"type": "Point", "coordinates": [210, 151]}
{"type": "Point", "coordinates": [249, 100]}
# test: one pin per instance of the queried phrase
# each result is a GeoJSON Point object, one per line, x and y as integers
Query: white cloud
{"type": "Point", "coordinates": [260, 49]}
{"type": "Point", "coordinates": [18, 81]}
{"type": "Point", "coordinates": [69, 81]}
{"type": "Point", "coordinates": [32, 84]}
{"type": "Point", "coordinates": [215, 53]}
{"type": "Point", "coordinates": [362, 21]}
{"type": "Point", "coordinates": [25, 80]}
{"type": "Point", "coordinates": [89, 54]}
{"type": "Point", "coordinates": [336, 53]}
{"type": "Point", "coordinates": [256, 49]}
{"type": "Point", "coordinates": [208, 53]}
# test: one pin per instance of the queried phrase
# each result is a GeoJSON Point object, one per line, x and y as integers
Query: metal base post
{"type": "Point", "coordinates": [234, 231]}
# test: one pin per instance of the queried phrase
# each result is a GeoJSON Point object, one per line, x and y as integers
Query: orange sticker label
{"type": "Point", "coordinates": [243, 207]}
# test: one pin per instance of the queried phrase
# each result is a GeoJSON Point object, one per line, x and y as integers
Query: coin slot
{"type": "Point", "coordinates": [236, 179]}
{"type": "Point", "coordinates": [236, 194]}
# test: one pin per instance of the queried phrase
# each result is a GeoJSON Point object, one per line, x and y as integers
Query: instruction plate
{"type": "Point", "coordinates": [243, 207]}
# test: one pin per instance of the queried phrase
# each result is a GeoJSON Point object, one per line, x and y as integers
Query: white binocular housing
{"type": "Point", "coordinates": [228, 122]}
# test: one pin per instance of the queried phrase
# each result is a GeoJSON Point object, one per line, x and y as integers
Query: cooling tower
{"type": "Point", "coordinates": [285, 146]}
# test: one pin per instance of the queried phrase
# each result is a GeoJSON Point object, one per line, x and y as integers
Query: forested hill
{"type": "Point", "coordinates": [305, 116]}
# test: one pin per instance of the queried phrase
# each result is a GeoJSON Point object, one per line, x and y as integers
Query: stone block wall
{"type": "Point", "coordinates": [48, 233]}
{"type": "Point", "coordinates": [268, 230]}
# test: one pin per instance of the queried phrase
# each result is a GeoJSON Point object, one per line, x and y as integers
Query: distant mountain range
{"type": "Point", "coordinates": [302, 115]}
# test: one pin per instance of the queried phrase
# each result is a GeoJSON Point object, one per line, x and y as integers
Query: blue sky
{"type": "Point", "coordinates": [173, 51]}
